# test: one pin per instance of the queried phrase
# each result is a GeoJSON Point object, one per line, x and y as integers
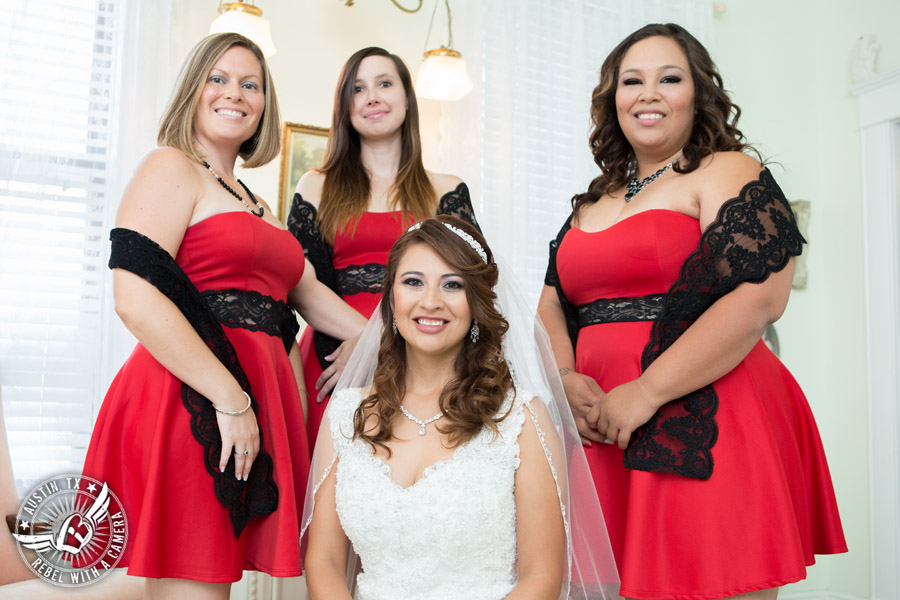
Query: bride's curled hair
{"type": "Point", "coordinates": [473, 397]}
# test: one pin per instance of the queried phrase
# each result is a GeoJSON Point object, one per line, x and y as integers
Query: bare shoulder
{"type": "Point", "coordinates": [720, 178]}
{"type": "Point", "coordinates": [535, 406]}
{"type": "Point", "coordinates": [167, 163]}
{"type": "Point", "coordinates": [444, 182]}
{"type": "Point", "coordinates": [161, 197]}
{"type": "Point", "coordinates": [534, 410]}
{"type": "Point", "coordinates": [537, 437]}
{"type": "Point", "coordinates": [310, 187]}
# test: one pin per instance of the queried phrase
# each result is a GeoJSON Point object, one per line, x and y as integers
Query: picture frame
{"type": "Point", "coordinates": [302, 149]}
{"type": "Point", "coordinates": [802, 210]}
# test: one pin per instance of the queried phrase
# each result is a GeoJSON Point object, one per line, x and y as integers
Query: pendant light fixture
{"type": "Point", "coordinates": [443, 74]}
{"type": "Point", "coordinates": [245, 18]}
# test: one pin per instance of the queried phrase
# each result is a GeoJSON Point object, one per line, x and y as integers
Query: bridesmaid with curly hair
{"type": "Point", "coordinates": [713, 478]}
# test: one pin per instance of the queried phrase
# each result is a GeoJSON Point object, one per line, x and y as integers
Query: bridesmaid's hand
{"type": "Point", "coordinates": [583, 395]}
{"type": "Point", "coordinates": [329, 377]}
{"type": "Point", "coordinates": [240, 437]}
{"type": "Point", "coordinates": [624, 408]}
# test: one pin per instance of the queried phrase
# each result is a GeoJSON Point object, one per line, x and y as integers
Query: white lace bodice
{"type": "Point", "coordinates": [452, 534]}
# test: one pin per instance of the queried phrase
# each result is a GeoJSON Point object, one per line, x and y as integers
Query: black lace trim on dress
{"type": "Point", "coordinates": [551, 278]}
{"type": "Point", "coordinates": [621, 310]}
{"type": "Point", "coordinates": [302, 224]}
{"type": "Point", "coordinates": [290, 327]}
{"type": "Point", "coordinates": [360, 279]}
{"type": "Point", "coordinates": [458, 203]}
{"type": "Point", "coordinates": [356, 279]}
{"type": "Point", "coordinates": [244, 500]}
{"type": "Point", "coordinates": [754, 235]}
{"type": "Point", "coordinates": [247, 309]}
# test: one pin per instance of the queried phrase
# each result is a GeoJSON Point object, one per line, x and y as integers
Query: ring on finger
{"type": "Point", "coordinates": [608, 441]}
{"type": "Point", "coordinates": [239, 453]}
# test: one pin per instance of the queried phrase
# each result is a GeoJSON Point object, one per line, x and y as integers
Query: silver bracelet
{"type": "Point", "coordinates": [234, 413]}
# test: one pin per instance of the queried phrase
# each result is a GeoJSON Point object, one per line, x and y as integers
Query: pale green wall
{"type": "Point", "coordinates": [788, 66]}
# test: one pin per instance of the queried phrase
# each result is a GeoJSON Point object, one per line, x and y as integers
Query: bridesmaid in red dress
{"type": "Point", "coordinates": [201, 434]}
{"type": "Point", "coordinates": [712, 477]}
{"type": "Point", "coordinates": [371, 188]}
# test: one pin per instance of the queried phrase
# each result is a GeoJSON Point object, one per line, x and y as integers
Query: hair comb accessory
{"type": "Point", "coordinates": [465, 237]}
{"type": "Point", "coordinates": [469, 240]}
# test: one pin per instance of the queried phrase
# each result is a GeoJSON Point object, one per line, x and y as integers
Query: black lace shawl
{"type": "Point", "coordinates": [139, 254]}
{"type": "Point", "coordinates": [754, 234]}
{"type": "Point", "coordinates": [366, 278]}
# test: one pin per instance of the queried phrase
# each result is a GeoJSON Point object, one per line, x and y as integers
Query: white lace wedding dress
{"type": "Point", "coordinates": [452, 534]}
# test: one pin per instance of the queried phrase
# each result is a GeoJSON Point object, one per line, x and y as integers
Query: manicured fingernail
{"type": "Point", "coordinates": [221, 469]}
{"type": "Point", "coordinates": [588, 445]}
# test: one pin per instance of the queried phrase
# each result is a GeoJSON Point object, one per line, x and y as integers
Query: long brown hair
{"type": "Point", "coordinates": [176, 128]}
{"type": "Point", "coordinates": [472, 398]}
{"type": "Point", "coordinates": [345, 193]}
{"type": "Point", "coordinates": [715, 116]}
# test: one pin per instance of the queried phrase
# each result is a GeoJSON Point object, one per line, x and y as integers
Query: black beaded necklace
{"type": "Point", "coordinates": [235, 194]}
{"type": "Point", "coordinates": [635, 186]}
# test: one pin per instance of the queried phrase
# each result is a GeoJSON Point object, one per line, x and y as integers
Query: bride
{"type": "Point", "coordinates": [435, 463]}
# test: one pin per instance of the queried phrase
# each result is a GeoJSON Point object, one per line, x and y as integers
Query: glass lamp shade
{"type": "Point", "coordinates": [443, 76]}
{"type": "Point", "coordinates": [246, 23]}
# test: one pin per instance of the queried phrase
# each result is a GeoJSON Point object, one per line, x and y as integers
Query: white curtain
{"type": "Point", "coordinates": [534, 64]}
{"type": "Point", "coordinates": [74, 94]}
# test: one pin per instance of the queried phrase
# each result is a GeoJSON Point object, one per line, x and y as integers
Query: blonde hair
{"type": "Point", "coordinates": [176, 125]}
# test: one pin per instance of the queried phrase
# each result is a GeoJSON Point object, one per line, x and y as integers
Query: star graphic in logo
{"type": "Point", "coordinates": [23, 525]}
{"type": "Point", "coordinates": [92, 488]}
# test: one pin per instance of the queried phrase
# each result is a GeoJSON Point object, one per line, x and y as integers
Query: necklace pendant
{"type": "Point", "coordinates": [422, 430]}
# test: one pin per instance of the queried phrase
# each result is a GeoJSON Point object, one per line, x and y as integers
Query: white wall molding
{"type": "Point", "coordinates": [879, 118]}
{"type": "Point", "coordinates": [817, 596]}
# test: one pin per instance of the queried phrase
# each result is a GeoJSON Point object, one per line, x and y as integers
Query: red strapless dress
{"type": "Point", "coordinates": [370, 244]}
{"type": "Point", "coordinates": [769, 505]}
{"type": "Point", "coordinates": [142, 444]}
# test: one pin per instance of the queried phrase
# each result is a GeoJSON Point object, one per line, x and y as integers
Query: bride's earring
{"type": "Point", "coordinates": [473, 333]}
{"type": "Point", "coordinates": [394, 324]}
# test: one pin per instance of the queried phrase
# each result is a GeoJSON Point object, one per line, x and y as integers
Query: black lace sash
{"type": "Point", "coordinates": [621, 310]}
{"type": "Point", "coordinates": [244, 500]}
{"type": "Point", "coordinates": [247, 309]}
{"type": "Point", "coordinates": [360, 279]}
{"type": "Point", "coordinates": [754, 235]}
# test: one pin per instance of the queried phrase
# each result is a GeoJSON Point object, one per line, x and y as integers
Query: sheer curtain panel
{"type": "Point", "coordinates": [57, 75]}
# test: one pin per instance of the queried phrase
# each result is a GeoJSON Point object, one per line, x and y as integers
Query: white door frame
{"type": "Point", "coordinates": [879, 121]}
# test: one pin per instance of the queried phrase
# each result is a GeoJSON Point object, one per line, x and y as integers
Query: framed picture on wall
{"type": "Point", "coordinates": [302, 149]}
{"type": "Point", "coordinates": [801, 210]}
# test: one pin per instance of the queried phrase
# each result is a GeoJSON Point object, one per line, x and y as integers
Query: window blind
{"type": "Point", "coordinates": [57, 66]}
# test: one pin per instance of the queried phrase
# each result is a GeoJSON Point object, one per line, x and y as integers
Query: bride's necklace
{"type": "Point", "coordinates": [421, 424]}
{"type": "Point", "coordinates": [635, 186]}
{"type": "Point", "coordinates": [235, 194]}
